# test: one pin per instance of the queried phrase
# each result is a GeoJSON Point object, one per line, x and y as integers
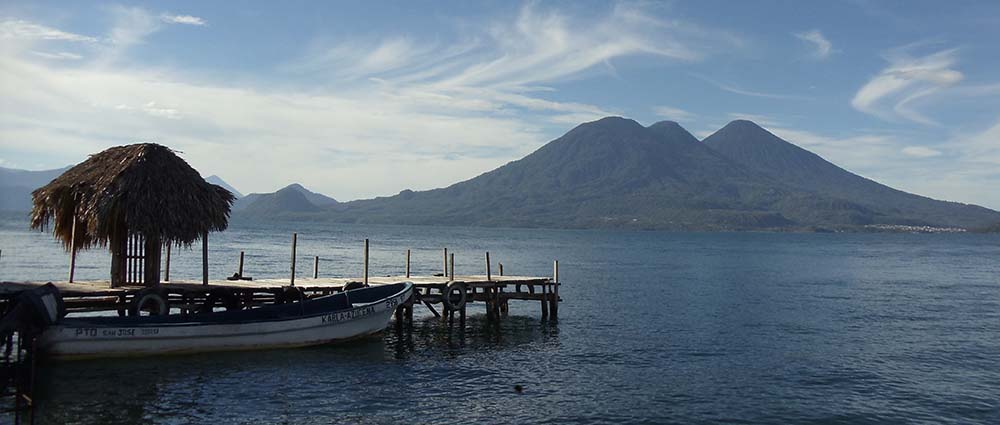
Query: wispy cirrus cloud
{"type": "Point", "coordinates": [509, 65]}
{"type": "Point", "coordinates": [183, 19]}
{"type": "Point", "coordinates": [908, 79]}
{"type": "Point", "coordinates": [732, 88]}
{"type": "Point", "coordinates": [920, 151]}
{"type": "Point", "coordinates": [822, 46]}
{"type": "Point", "coordinates": [58, 55]}
{"type": "Point", "coordinates": [16, 29]}
{"type": "Point", "coordinates": [675, 114]}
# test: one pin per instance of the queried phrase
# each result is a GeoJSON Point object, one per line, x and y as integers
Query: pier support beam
{"type": "Point", "coordinates": [295, 239]}
{"type": "Point", "coordinates": [72, 251]}
{"type": "Point", "coordinates": [204, 258]}
{"type": "Point", "coordinates": [488, 275]}
{"type": "Point", "coordinates": [166, 268]}
{"type": "Point", "coordinates": [554, 294]}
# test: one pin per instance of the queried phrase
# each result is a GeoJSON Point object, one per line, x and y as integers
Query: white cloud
{"type": "Point", "coordinates": [906, 81]}
{"type": "Point", "coordinates": [58, 55]}
{"type": "Point", "coordinates": [132, 25]}
{"type": "Point", "coordinates": [403, 112]}
{"type": "Point", "coordinates": [822, 45]}
{"type": "Point", "coordinates": [921, 151]}
{"type": "Point", "coordinates": [24, 30]}
{"type": "Point", "coordinates": [738, 90]}
{"type": "Point", "coordinates": [183, 19]}
{"type": "Point", "coordinates": [675, 114]}
{"type": "Point", "coordinates": [982, 147]}
{"type": "Point", "coordinates": [149, 108]}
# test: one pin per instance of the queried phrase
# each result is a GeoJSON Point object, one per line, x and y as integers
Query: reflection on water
{"type": "Point", "coordinates": [411, 364]}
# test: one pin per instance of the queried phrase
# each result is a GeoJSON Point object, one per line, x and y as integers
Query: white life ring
{"type": "Point", "coordinates": [146, 297]}
{"type": "Point", "coordinates": [456, 302]}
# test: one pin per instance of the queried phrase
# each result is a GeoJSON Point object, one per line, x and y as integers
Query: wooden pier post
{"type": "Point", "coordinates": [166, 269]}
{"type": "Point", "coordinates": [501, 268]}
{"type": "Point", "coordinates": [545, 300]}
{"type": "Point", "coordinates": [72, 251]}
{"type": "Point", "coordinates": [444, 270]}
{"type": "Point", "coordinates": [554, 306]}
{"type": "Point", "coordinates": [545, 303]}
{"type": "Point", "coordinates": [316, 267]}
{"type": "Point", "coordinates": [240, 268]}
{"type": "Point", "coordinates": [295, 240]}
{"type": "Point", "coordinates": [366, 262]}
{"type": "Point", "coordinates": [452, 266]}
{"type": "Point", "coordinates": [204, 258]}
{"type": "Point", "coordinates": [461, 316]}
{"type": "Point", "coordinates": [407, 264]}
{"type": "Point", "coordinates": [489, 277]}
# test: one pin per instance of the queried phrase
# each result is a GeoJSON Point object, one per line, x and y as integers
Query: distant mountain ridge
{"type": "Point", "coordinates": [16, 186]}
{"type": "Point", "coordinates": [862, 200]}
{"type": "Point", "coordinates": [615, 173]}
{"type": "Point", "coordinates": [291, 199]}
{"type": "Point", "coordinates": [216, 180]}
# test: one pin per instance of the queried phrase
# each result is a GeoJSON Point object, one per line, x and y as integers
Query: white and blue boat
{"type": "Point", "coordinates": [328, 319]}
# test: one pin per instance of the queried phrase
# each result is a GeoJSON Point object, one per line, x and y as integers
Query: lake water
{"type": "Point", "coordinates": [654, 328]}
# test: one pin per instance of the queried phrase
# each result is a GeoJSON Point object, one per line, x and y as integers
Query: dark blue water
{"type": "Point", "coordinates": [655, 328]}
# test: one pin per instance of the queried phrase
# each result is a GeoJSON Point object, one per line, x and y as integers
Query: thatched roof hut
{"type": "Point", "coordinates": [136, 194]}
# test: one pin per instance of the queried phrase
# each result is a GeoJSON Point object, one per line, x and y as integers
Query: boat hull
{"type": "Point", "coordinates": [82, 339]}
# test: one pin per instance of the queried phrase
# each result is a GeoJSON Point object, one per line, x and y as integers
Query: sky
{"type": "Point", "coordinates": [357, 99]}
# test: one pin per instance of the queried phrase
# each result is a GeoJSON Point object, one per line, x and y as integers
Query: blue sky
{"type": "Point", "coordinates": [363, 99]}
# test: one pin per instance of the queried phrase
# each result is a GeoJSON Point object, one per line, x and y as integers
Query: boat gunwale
{"type": "Point", "coordinates": [123, 322]}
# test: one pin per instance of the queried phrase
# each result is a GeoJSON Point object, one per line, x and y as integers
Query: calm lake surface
{"type": "Point", "coordinates": [655, 328]}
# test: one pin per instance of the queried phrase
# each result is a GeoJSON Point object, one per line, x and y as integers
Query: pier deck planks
{"type": "Point", "coordinates": [103, 287]}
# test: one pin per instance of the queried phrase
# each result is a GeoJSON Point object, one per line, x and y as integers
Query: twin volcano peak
{"type": "Point", "coordinates": [614, 172]}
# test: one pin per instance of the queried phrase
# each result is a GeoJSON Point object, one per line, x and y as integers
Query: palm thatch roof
{"type": "Point", "coordinates": [143, 188]}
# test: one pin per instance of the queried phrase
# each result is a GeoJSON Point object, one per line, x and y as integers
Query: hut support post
{"type": "Point", "coordinates": [366, 262]}
{"type": "Point", "coordinates": [151, 265]}
{"type": "Point", "coordinates": [295, 238]}
{"type": "Point", "coordinates": [166, 269]}
{"type": "Point", "coordinates": [119, 250]}
{"type": "Point", "coordinates": [204, 258]}
{"type": "Point", "coordinates": [72, 251]}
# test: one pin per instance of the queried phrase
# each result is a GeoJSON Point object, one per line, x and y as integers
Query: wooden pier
{"type": "Point", "coordinates": [451, 293]}
{"type": "Point", "coordinates": [443, 296]}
